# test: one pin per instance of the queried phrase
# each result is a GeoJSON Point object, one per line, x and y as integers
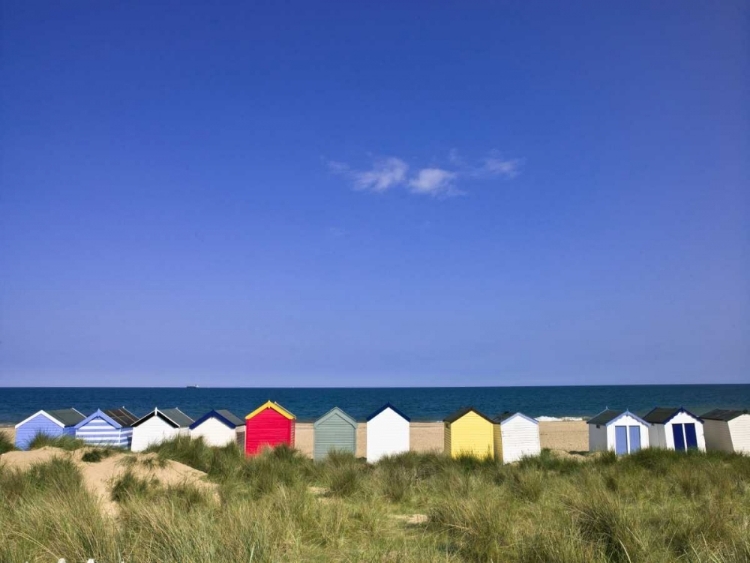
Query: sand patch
{"type": "Point", "coordinates": [99, 477]}
{"type": "Point", "coordinates": [411, 519]}
{"type": "Point", "coordinates": [565, 435]}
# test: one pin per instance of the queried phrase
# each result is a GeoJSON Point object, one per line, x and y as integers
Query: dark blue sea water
{"type": "Point", "coordinates": [423, 403]}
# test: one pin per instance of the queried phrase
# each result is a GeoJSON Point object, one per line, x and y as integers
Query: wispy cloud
{"type": "Point", "coordinates": [497, 166]}
{"type": "Point", "coordinates": [433, 181]}
{"type": "Point", "coordinates": [392, 172]}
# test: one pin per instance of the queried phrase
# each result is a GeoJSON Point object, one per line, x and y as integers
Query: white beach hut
{"type": "Point", "coordinates": [219, 428]}
{"type": "Point", "coordinates": [387, 433]}
{"type": "Point", "coordinates": [675, 429]}
{"type": "Point", "coordinates": [727, 430]}
{"type": "Point", "coordinates": [159, 426]}
{"type": "Point", "coordinates": [619, 431]}
{"type": "Point", "coordinates": [516, 436]}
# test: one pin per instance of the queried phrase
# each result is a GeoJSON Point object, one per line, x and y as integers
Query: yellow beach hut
{"type": "Point", "coordinates": [469, 432]}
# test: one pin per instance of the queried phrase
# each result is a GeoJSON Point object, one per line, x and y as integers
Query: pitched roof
{"type": "Point", "coordinates": [338, 411]}
{"type": "Point", "coordinates": [724, 415]}
{"type": "Point", "coordinates": [174, 417]}
{"type": "Point", "coordinates": [662, 415]}
{"type": "Point", "coordinates": [272, 405]}
{"type": "Point", "coordinates": [605, 416]}
{"type": "Point", "coordinates": [388, 406]}
{"type": "Point", "coordinates": [178, 417]}
{"type": "Point", "coordinates": [67, 417]}
{"type": "Point", "coordinates": [121, 416]}
{"type": "Point", "coordinates": [460, 413]}
{"type": "Point", "coordinates": [222, 415]}
{"type": "Point", "coordinates": [507, 415]}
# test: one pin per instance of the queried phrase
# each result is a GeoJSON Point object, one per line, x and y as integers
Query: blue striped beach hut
{"type": "Point", "coordinates": [54, 424]}
{"type": "Point", "coordinates": [112, 427]}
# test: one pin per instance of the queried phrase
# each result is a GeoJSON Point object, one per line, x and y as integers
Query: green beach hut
{"type": "Point", "coordinates": [335, 430]}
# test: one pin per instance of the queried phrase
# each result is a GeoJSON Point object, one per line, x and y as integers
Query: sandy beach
{"type": "Point", "coordinates": [564, 435]}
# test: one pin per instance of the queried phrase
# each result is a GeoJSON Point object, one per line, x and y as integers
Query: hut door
{"type": "Point", "coordinates": [635, 438]}
{"type": "Point", "coordinates": [679, 437]}
{"type": "Point", "coordinates": [621, 440]}
{"type": "Point", "coordinates": [690, 437]}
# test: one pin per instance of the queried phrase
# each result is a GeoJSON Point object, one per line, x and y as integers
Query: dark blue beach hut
{"type": "Point", "coordinates": [54, 424]}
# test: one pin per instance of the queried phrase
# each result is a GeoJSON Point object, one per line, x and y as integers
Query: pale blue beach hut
{"type": "Point", "coordinates": [112, 427]}
{"type": "Point", "coordinates": [54, 424]}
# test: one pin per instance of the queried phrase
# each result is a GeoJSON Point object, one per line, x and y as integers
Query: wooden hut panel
{"type": "Point", "coordinates": [387, 433]}
{"type": "Point", "coordinates": [97, 430]}
{"type": "Point", "coordinates": [267, 427]}
{"type": "Point", "coordinates": [38, 424]}
{"type": "Point", "coordinates": [520, 438]}
{"type": "Point", "coordinates": [335, 431]}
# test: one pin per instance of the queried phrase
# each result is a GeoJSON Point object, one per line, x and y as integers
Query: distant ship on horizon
{"type": "Point", "coordinates": [192, 386]}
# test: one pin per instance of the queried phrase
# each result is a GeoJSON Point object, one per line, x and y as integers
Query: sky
{"type": "Point", "coordinates": [374, 194]}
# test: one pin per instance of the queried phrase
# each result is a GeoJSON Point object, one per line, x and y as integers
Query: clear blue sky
{"type": "Point", "coordinates": [391, 193]}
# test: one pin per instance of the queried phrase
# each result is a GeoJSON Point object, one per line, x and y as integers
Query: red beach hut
{"type": "Point", "coordinates": [267, 427]}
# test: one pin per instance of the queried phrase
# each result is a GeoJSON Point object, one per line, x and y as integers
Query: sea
{"type": "Point", "coordinates": [419, 403]}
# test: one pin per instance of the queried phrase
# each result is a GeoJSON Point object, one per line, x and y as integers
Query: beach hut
{"type": "Point", "coordinates": [335, 430]}
{"type": "Point", "coordinates": [516, 436]}
{"type": "Point", "coordinates": [469, 432]}
{"type": "Point", "coordinates": [219, 428]}
{"type": "Point", "coordinates": [268, 426]}
{"type": "Point", "coordinates": [159, 426]}
{"type": "Point", "coordinates": [387, 433]}
{"type": "Point", "coordinates": [54, 424]}
{"type": "Point", "coordinates": [618, 431]}
{"type": "Point", "coordinates": [112, 427]}
{"type": "Point", "coordinates": [727, 430]}
{"type": "Point", "coordinates": [675, 429]}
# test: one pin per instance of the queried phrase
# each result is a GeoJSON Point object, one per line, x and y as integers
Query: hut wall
{"type": "Point", "coordinates": [214, 432]}
{"type": "Point", "coordinates": [717, 436]}
{"type": "Point", "coordinates": [40, 424]}
{"type": "Point", "coordinates": [267, 429]}
{"type": "Point", "coordinates": [334, 432]}
{"type": "Point", "coordinates": [387, 434]}
{"type": "Point", "coordinates": [472, 435]}
{"type": "Point", "coordinates": [497, 441]}
{"type": "Point", "coordinates": [739, 428]}
{"type": "Point", "coordinates": [683, 418]}
{"type": "Point", "coordinates": [153, 431]}
{"type": "Point", "coordinates": [627, 420]}
{"type": "Point", "coordinates": [597, 437]}
{"type": "Point", "coordinates": [98, 431]}
{"type": "Point", "coordinates": [520, 438]}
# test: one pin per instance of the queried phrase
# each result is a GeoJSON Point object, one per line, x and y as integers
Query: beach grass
{"type": "Point", "coordinates": [67, 443]}
{"type": "Point", "coordinates": [654, 506]}
{"type": "Point", "coordinates": [6, 444]}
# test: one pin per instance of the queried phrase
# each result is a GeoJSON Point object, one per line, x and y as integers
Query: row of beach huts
{"type": "Point", "coordinates": [507, 437]}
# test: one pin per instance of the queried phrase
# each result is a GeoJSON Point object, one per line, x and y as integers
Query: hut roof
{"type": "Point", "coordinates": [609, 416]}
{"type": "Point", "coordinates": [460, 413]}
{"type": "Point", "coordinates": [221, 415]}
{"type": "Point", "coordinates": [334, 411]}
{"type": "Point", "coordinates": [507, 415]}
{"type": "Point", "coordinates": [662, 415]}
{"type": "Point", "coordinates": [174, 417]}
{"type": "Point", "coordinates": [272, 405]}
{"type": "Point", "coordinates": [605, 416]}
{"type": "Point", "coordinates": [723, 415]}
{"type": "Point", "coordinates": [121, 416]}
{"type": "Point", "coordinates": [67, 417]}
{"type": "Point", "coordinates": [388, 406]}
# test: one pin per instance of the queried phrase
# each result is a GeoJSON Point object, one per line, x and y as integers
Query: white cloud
{"type": "Point", "coordinates": [433, 181]}
{"type": "Point", "coordinates": [496, 166]}
{"type": "Point", "coordinates": [385, 174]}
{"type": "Point", "coordinates": [392, 172]}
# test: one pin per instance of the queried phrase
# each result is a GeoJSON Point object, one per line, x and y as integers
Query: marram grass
{"type": "Point", "coordinates": [652, 507]}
